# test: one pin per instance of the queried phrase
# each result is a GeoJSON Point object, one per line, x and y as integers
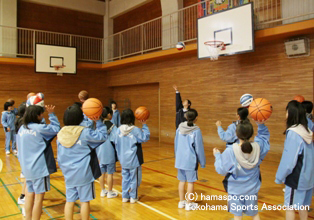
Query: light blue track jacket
{"type": "Point", "coordinates": [296, 168]}
{"type": "Point", "coordinates": [35, 153]}
{"type": "Point", "coordinates": [189, 148]}
{"type": "Point", "coordinates": [242, 177]}
{"type": "Point", "coordinates": [76, 153]}
{"type": "Point", "coordinates": [128, 141]}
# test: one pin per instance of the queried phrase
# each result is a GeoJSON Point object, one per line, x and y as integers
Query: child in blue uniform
{"type": "Point", "coordinates": [35, 158]}
{"type": "Point", "coordinates": [189, 152]}
{"type": "Point", "coordinates": [240, 166]}
{"type": "Point", "coordinates": [296, 168]}
{"type": "Point", "coordinates": [116, 120]}
{"type": "Point", "coordinates": [7, 120]}
{"type": "Point", "coordinates": [107, 156]}
{"type": "Point", "coordinates": [308, 106]}
{"type": "Point", "coordinates": [128, 141]}
{"type": "Point", "coordinates": [229, 135]}
{"type": "Point", "coordinates": [181, 107]}
{"type": "Point", "coordinates": [78, 160]}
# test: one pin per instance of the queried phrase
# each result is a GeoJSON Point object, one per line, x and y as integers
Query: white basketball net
{"type": "Point", "coordinates": [59, 70]}
{"type": "Point", "coordinates": [214, 48]}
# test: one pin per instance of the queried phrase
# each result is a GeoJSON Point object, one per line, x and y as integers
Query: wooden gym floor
{"type": "Point", "coordinates": [158, 191]}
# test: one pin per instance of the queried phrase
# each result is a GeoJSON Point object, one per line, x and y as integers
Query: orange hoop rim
{"type": "Point", "coordinates": [215, 43]}
{"type": "Point", "coordinates": [57, 67]}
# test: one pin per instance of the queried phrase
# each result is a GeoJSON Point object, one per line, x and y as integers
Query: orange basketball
{"type": "Point", "coordinates": [92, 108]}
{"type": "Point", "coordinates": [260, 109]}
{"type": "Point", "coordinates": [142, 113]}
{"type": "Point", "coordinates": [83, 95]}
{"type": "Point", "coordinates": [299, 98]}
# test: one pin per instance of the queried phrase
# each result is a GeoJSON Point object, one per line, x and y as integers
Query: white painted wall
{"type": "Point", "coordinates": [118, 7]}
{"type": "Point", "coordinates": [89, 6]}
{"type": "Point", "coordinates": [8, 36]}
{"type": "Point", "coordinates": [172, 26]}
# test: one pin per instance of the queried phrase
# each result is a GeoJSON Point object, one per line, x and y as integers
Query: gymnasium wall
{"type": "Point", "coordinates": [50, 18]}
{"type": "Point", "coordinates": [215, 87]}
{"type": "Point", "coordinates": [137, 16]}
{"type": "Point", "coordinates": [18, 81]}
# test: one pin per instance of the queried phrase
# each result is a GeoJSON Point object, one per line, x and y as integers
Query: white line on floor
{"type": "Point", "coordinates": [147, 206]}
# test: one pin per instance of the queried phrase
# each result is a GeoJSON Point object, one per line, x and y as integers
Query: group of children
{"type": "Point", "coordinates": [87, 148]}
{"type": "Point", "coordinates": [240, 162]}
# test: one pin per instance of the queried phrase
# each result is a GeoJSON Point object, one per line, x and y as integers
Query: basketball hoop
{"type": "Point", "coordinates": [59, 69]}
{"type": "Point", "coordinates": [214, 47]}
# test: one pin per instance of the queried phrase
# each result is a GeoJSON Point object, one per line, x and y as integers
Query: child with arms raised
{"type": "Point", "coordinates": [34, 155]}
{"type": "Point", "coordinates": [78, 160]}
{"type": "Point", "coordinates": [240, 166]}
{"type": "Point", "coordinates": [128, 141]}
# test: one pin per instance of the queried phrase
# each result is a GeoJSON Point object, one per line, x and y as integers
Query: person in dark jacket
{"type": "Point", "coordinates": [181, 107]}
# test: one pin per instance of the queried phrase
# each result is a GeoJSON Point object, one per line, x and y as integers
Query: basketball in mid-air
{"type": "Point", "coordinates": [141, 113]}
{"type": "Point", "coordinates": [83, 95]}
{"type": "Point", "coordinates": [299, 98]}
{"type": "Point", "coordinates": [246, 100]}
{"type": "Point", "coordinates": [92, 108]}
{"type": "Point", "coordinates": [180, 46]}
{"type": "Point", "coordinates": [260, 109]}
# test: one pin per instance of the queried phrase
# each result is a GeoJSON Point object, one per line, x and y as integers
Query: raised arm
{"type": "Point", "coordinates": [199, 148]}
{"type": "Point", "coordinates": [142, 135]}
{"type": "Point", "coordinates": [50, 130]}
{"type": "Point", "coordinates": [262, 138]}
{"type": "Point", "coordinates": [229, 135]}
{"type": "Point", "coordinates": [224, 163]}
{"type": "Point", "coordinates": [97, 136]}
{"type": "Point", "coordinates": [178, 99]}
{"type": "Point", "coordinates": [289, 157]}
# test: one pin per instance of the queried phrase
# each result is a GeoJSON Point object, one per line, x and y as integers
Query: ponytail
{"type": "Point", "coordinates": [191, 116]}
{"type": "Point", "coordinates": [246, 147]}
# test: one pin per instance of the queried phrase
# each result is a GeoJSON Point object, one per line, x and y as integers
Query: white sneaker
{"type": "Point", "coordinates": [190, 206]}
{"type": "Point", "coordinates": [182, 204]}
{"type": "Point", "coordinates": [15, 152]}
{"type": "Point", "coordinates": [133, 200]}
{"type": "Point", "coordinates": [21, 201]}
{"type": "Point", "coordinates": [7, 152]}
{"type": "Point", "coordinates": [112, 194]}
{"type": "Point", "coordinates": [125, 200]}
{"type": "Point", "coordinates": [284, 189]}
{"type": "Point", "coordinates": [103, 193]}
{"type": "Point", "coordinates": [22, 176]}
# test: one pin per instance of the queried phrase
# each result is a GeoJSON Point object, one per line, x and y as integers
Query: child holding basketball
{"type": "Point", "coordinates": [181, 107]}
{"type": "Point", "coordinates": [128, 141]}
{"type": "Point", "coordinates": [83, 96]}
{"type": "Point", "coordinates": [240, 166]}
{"type": "Point", "coordinates": [107, 156]}
{"type": "Point", "coordinates": [78, 160]}
{"type": "Point", "coordinates": [116, 114]}
{"type": "Point", "coordinates": [308, 106]}
{"type": "Point", "coordinates": [229, 135]}
{"type": "Point", "coordinates": [32, 141]}
{"type": "Point", "coordinates": [189, 151]}
{"type": "Point", "coordinates": [7, 121]}
{"type": "Point", "coordinates": [296, 168]}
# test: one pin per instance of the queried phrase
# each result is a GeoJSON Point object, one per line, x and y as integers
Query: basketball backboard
{"type": "Point", "coordinates": [235, 27]}
{"type": "Point", "coordinates": [49, 56]}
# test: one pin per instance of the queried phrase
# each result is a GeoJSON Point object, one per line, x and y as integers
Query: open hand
{"type": "Point", "coordinates": [218, 123]}
{"type": "Point", "coordinates": [175, 87]}
{"type": "Point", "coordinates": [50, 108]}
{"type": "Point", "coordinates": [215, 151]}
{"type": "Point", "coordinates": [94, 118]}
{"type": "Point", "coordinates": [142, 121]}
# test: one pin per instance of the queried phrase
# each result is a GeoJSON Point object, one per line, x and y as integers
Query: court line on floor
{"type": "Point", "coordinates": [157, 171]}
{"type": "Point", "coordinates": [145, 205]}
{"type": "Point", "coordinates": [77, 205]}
